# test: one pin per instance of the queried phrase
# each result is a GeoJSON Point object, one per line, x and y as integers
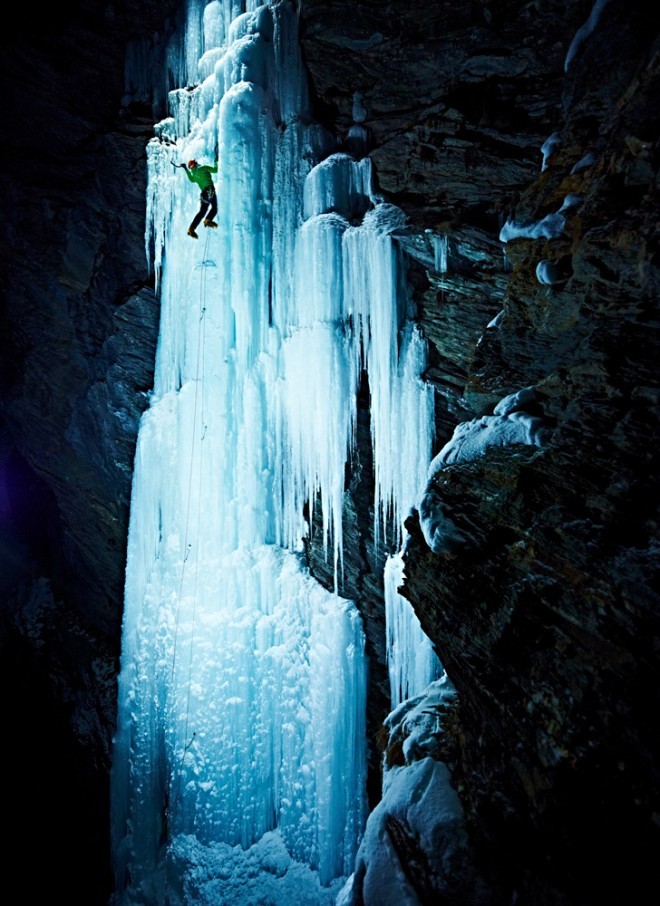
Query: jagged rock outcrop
{"type": "Point", "coordinates": [543, 605]}
{"type": "Point", "coordinates": [457, 100]}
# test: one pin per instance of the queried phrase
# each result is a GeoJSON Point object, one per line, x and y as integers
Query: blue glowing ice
{"type": "Point", "coordinates": [239, 758]}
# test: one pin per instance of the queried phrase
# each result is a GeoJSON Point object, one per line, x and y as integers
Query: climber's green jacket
{"type": "Point", "coordinates": [202, 175]}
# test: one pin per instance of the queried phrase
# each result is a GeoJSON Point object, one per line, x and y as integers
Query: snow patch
{"type": "Point", "coordinates": [548, 148]}
{"type": "Point", "coordinates": [419, 805]}
{"type": "Point", "coordinates": [507, 425]}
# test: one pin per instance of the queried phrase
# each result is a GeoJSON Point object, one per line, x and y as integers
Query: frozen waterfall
{"type": "Point", "coordinates": [411, 660]}
{"type": "Point", "coordinates": [240, 752]}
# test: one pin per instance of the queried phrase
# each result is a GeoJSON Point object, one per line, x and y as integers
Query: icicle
{"type": "Point", "coordinates": [242, 694]}
{"type": "Point", "coordinates": [394, 359]}
{"type": "Point", "coordinates": [440, 247]}
{"type": "Point", "coordinates": [339, 183]}
{"type": "Point", "coordinates": [412, 662]}
{"type": "Point", "coordinates": [243, 681]}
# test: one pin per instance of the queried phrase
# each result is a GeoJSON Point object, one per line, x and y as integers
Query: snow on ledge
{"type": "Point", "coordinates": [418, 801]}
{"type": "Point", "coordinates": [549, 227]}
{"type": "Point", "coordinates": [507, 425]}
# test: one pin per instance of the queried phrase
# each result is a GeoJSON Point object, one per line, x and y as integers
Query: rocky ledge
{"type": "Point", "coordinates": [521, 140]}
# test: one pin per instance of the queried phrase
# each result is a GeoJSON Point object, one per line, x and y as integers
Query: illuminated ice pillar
{"type": "Point", "coordinates": [241, 709]}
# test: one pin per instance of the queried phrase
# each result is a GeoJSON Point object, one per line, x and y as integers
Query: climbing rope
{"type": "Point", "coordinates": [198, 406]}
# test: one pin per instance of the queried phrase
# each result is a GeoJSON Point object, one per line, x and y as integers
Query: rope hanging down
{"type": "Point", "coordinates": [198, 405]}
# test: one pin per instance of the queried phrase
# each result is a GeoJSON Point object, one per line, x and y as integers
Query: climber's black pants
{"type": "Point", "coordinates": [208, 205]}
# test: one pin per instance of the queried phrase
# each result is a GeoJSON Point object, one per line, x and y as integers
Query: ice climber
{"type": "Point", "coordinates": [208, 200]}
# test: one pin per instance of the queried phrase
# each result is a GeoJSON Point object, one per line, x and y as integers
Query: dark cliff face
{"type": "Point", "coordinates": [546, 617]}
{"type": "Point", "coordinates": [79, 323]}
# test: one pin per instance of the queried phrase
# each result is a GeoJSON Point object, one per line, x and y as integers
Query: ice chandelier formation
{"type": "Point", "coordinates": [239, 760]}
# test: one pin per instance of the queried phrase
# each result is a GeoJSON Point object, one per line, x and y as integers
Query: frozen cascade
{"type": "Point", "coordinates": [411, 660]}
{"type": "Point", "coordinates": [239, 761]}
{"type": "Point", "coordinates": [440, 250]}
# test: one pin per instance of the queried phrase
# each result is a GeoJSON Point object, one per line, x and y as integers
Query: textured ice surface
{"type": "Point", "coordinates": [240, 753]}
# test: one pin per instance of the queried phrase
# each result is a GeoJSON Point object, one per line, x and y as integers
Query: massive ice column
{"type": "Point", "coordinates": [239, 759]}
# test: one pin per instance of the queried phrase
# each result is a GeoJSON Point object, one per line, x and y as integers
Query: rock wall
{"type": "Point", "coordinates": [79, 323]}
{"type": "Point", "coordinates": [542, 601]}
